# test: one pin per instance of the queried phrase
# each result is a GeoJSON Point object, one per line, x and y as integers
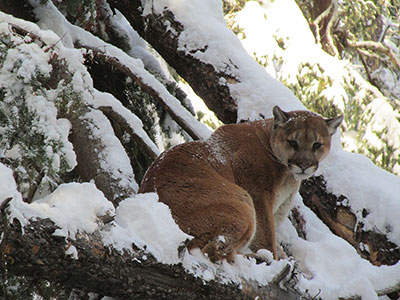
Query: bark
{"type": "Point", "coordinates": [333, 211]}
{"type": "Point", "coordinates": [38, 254]}
{"type": "Point", "coordinates": [202, 77]}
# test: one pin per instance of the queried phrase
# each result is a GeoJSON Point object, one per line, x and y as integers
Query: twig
{"type": "Point", "coordinates": [315, 297]}
{"type": "Point", "coordinates": [384, 32]}
{"type": "Point", "coordinates": [24, 32]}
{"type": "Point", "coordinates": [376, 46]}
{"type": "Point", "coordinates": [35, 186]}
{"type": "Point", "coordinates": [360, 54]}
{"type": "Point", "coordinates": [284, 275]}
{"type": "Point", "coordinates": [390, 289]}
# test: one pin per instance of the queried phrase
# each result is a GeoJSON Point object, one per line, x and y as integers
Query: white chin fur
{"type": "Point", "coordinates": [299, 174]}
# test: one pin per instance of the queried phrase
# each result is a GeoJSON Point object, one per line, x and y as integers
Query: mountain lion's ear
{"type": "Point", "coordinates": [280, 117]}
{"type": "Point", "coordinates": [333, 124]}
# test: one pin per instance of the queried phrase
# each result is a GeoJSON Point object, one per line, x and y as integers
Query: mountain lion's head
{"type": "Point", "coordinates": [301, 139]}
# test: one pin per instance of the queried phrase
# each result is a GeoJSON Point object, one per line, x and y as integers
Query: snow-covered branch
{"type": "Point", "coordinates": [86, 264]}
{"type": "Point", "coordinates": [334, 212]}
{"type": "Point", "coordinates": [182, 117]}
{"type": "Point", "coordinates": [123, 122]}
{"type": "Point", "coordinates": [162, 32]}
{"type": "Point", "coordinates": [323, 26]}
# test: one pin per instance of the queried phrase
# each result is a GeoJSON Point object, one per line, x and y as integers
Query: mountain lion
{"type": "Point", "coordinates": [231, 191]}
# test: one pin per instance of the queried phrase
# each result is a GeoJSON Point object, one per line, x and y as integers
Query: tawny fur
{"type": "Point", "coordinates": [231, 191]}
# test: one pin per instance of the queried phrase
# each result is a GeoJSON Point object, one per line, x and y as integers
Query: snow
{"type": "Point", "coordinates": [115, 160]}
{"type": "Point", "coordinates": [147, 223]}
{"type": "Point", "coordinates": [108, 100]}
{"type": "Point", "coordinates": [332, 267]}
{"type": "Point", "coordinates": [254, 89]}
{"type": "Point", "coordinates": [366, 187]}
{"type": "Point", "coordinates": [384, 121]}
{"type": "Point", "coordinates": [243, 268]}
{"type": "Point", "coordinates": [8, 189]}
{"type": "Point", "coordinates": [73, 207]}
{"type": "Point", "coordinates": [72, 251]}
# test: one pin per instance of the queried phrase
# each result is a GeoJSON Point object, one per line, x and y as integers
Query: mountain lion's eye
{"type": "Point", "coordinates": [293, 144]}
{"type": "Point", "coordinates": [316, 146]}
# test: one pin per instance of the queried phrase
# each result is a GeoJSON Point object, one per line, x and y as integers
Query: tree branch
{"type": "Point", "coordinates": [88, 148]}
{"type": "Point", "coordinates": [162, 32]}
{"type": "Point", "coordinates": [364, 63]}
{"type": "Point", "coordinates": [4, 204]}
{"type": "Point", "coordinates": [105, 271]}
{"type": "Point", "coordinates": [115, 116]}
{"type": "Point", "coordinates": [342, 221]}
{"type": "Point", "coordinates": [318, 20]}
{"type": "Point", "coordinates": [331, 15]}
{"type": "Point", "coordinates": [376, 46]}
{"type": "Point", "coordinates": [186, 124]}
